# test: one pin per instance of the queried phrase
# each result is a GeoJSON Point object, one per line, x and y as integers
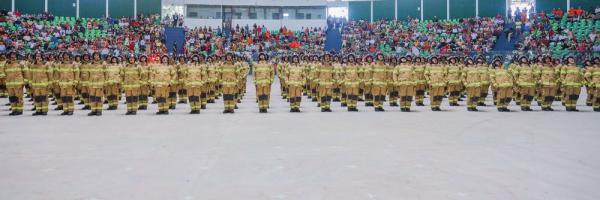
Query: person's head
{"type": "Point", "coordinates": [12, 56]}
{"type": "Point", "coordinates": [295, 59]}
{"type": "Point", "coordinates": [452, 60]}
{"type": "Point", "coordinates": [65, 57]}
{"type": "Point", "coordinates": [143, 59]}
{"type": "Point", "coordinates": [369, 59]}
{"type": "Point", "coordinates": [114, 59]}
{"type": "Point", "coordinates": [570, 60]}
{"type": "Point", "coordinates": [524, 60]}
{"type": "Point", "coordinates": [131, 59]}
{"type": "Point", "coordinates": [380, 57]}
{"type": "Point", "coordinates": [262, 57]}
{"type": "Point", "coordinates": [497, 63]}
{"type": "Point", "coordinates": [182, 59]}
{"type": "Point", "coordinates": [469, 62]}
{"type": "Point", "coordinates": [38, 57]}
{"type": "Point", "coordinates": [96, 56]}
{"type": "Point", "coordinates": [164, 59]}
{"type": "Point", "coordinates": [351, 58]}
{"type": "Point", "coordinates": [434, 60]}
{"type": "Point", "coordinates": [229, 57]}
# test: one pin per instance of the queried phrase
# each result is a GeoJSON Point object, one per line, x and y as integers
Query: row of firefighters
{"type": "Point", "coordinates": [326, 78]}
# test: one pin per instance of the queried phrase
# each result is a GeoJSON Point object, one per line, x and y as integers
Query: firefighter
{"type": "Point", "coordinates": [14, 75]}
{"type": "Point", "coordinates": [144, 91]}
{"type": "Point", "coordinates": [352, 82]}
{"type": "Point", "coordinates": [525, 77]}
{"type": "Point", "coordinates": [502, 81]}
{"type": "Point", "coordinates": [84, 83]}
{"type": "Point", "coordinates": [181, 89]}
{"type": "Point", "coordinates": [381, 76]}
{"type": "Point", "coordinates": [436, 79]}
{"type": "Point", "coordinates": [296, 77]}
{"type": "Point", "coordinates": [228, 79]}
{"type": "Point", "coordinates": [472, 82]}
{"type": "Point", "coordinates": [97, 80]}
{"type": "Point", "coordinates": [391, 87]}
{"type": "Point", "coordinates": [213, 79]}
{"type": "Point", "coordinates": [263, 77]}
{"type": "Point", "coordinates": [313, 78]}
{"type": "Point", "coordinates": [205, 80]}
{"type": "Point", "coordinates": [337, 80]}
{"type": "Point", "coordinates": [113, 79]}
{"type": "Point", "coordinates": [53, 87]}
{"type": "Point", "coordinates": [3, 91]}
{"type": "Point", "coordinates": [161, 76]}
{"type": "Point", "coordinates": [173, 83]}
{"type": "Point", "coordinates": [367, 80]}
{"type": "Point", "coordinates": [454, 81]}
{"type": "Point", "coordinates": [404, 78]}
{"type": "Point", "coordinates": [67, 76]}
{"type": "Point", "coordinates": [325, 76]}
{"type": "Point", "coordinates": [593, 78]}
{"type": "Point", "coordinates": [420, 82]}
{"type": "Point", "coordinates": [548, 81]}
{"type": "Point", "coordinates": [484, 72]}
{"type": "Point", "coordinates": [282, 69]}
{"type": "Point", "coordinates": [588, 64]}
{"type": "Point", "coordinates": [195, 76]}
{"type": "Point", "coordinates": [39, 76]}
{"type": "Point", "coordinates": [572, 80]}
{"type": "Point", "coordinates": [132, 79]}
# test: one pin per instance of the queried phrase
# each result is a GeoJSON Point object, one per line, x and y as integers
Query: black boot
{"type": "Point", "coordinates": [64, 113]}
{"type": "Point", "coordinates": [59, 108]}
{"type": "Point", "coordinates": [420, 104]}
{"type": "Point", "coordinates": [393, 104]}
{"type": "Point", "coordinates": [112, 108]}
{"type": "Point", "coordinates": [203, 107]}
{"type": "Point", "coordinates": [92, 113]}
{"type": "Point", "coordinates": [143, 107]}
{"type": "Point", "coordinates": [87, 107]}
{"type": "Point", "coordinates": [596, 109]}
{"type": "Point", "coordinates": [344, 104]}
{"type": "Point", "coordinates": [481, 104]}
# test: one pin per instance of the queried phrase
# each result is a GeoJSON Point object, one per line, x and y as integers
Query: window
{"type": "Point", "coordinates": [204, 11]}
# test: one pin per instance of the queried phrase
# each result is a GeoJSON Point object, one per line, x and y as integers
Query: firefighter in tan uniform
{"type": "Point", "coordinates": [391, 87]}
{"type": "Point", "coordinates": [436, 78]}
{"type": "Point", "coordinates": [381, 77]}
{"type": "Point", "coordinates": [213, 79]}
{"type": "Point", "coordinates": [572, 80]}
{"type": "Point", "coordinates": [592, 75]}
{"type": "Point", "coordinates": [132, 79]}
{"type": "Point", "coordinates": [502, 81]}
{"type": "Point", "coordinates": [84, 83]}
{"type": "Point", "coordinates": [113, 81]}
{"type": "Point", "coordinates": [296, 77]}
{"type": "Point", "coordinates": [367, 80]}
{"type": "Point", "coordinates": [39, 76]}
{"type": "Point", "coordinates": [3, 91]}
{"type": "Point", "coordinates": [67, 76]}
{"type": "Point", "coordinates": [263, 77]}
{"type": "Point", "coordinates": [454, 82]}
{"type": "Point", "coordinates": [404, 77]}
{"type": "Point", "coordinates": [181, 78]}
{"type": "Point", "coordinates": [14, 75]}
{"type": "Point", "coordinates": [97, 81]}
{"type": "Point", "coordinates": [472, 82]}
{"type": "Point", "coordinates": [548, 83]}
{"type": "Point", "coordinates": [525, 77]}
{"type": "Point", "coordinates": [352, 82]}
{"type": "Point", "coordinates": [484, 72]}
{"type": "Point", "coordinates": [242, 68]}
{"type": "Point", "coordinates": [420, 81]}
{"type": "Point", "coordinates": [228, 78]}
{"type": "Point", "coordinates": [144, 90]}
{"type": "Point", "coordinates": [325, 76]}
{"type": "Point", "coordinates": [337, 80]}
{"type": "Point", "coordinates": [174, 84]}
{"type": "Point", "coordinates": [161, 76]}
{"type": "Point", "coordinates": [53, 87]}
{"type": "Point", "coordinates": [313, 78]}
{"type": "Point", "coordinates": [282, 69]}
{"type": "Point", "coordinates": [195, 76]}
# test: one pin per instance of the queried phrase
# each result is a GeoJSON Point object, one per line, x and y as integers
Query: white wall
{"type": "Point", "coordinates": [191, 23]}
{"type": "Point", "coordinates": [250, 2]}
{"type": "Point", "coordinates": [293, 24]}
{"type": "Point", "coordinates": [269, 24]}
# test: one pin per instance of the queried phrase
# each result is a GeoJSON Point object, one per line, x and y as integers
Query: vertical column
{"type": "Point", "coordinates": [396, 9]}
{"type": "Point", "coordinates": [447, 9]}
{"type": "Point", "coordinates": [45, 5]}
{"type": "Point", "coordinates": [568, 5]}
{"type": "Point", "coordinates": [371, 11]}
{"type": "Point", "coordinates": [12, 6]}
{"type": "Point", "coordinates": [77, 9]}
{"type": "Point", "coordinates": [506, 9]}
{"type": "Point", "coordinates": [106, 9]}
{"type": "Point", "coordinates": [476, 8]}
{"type": "Point", "coordinates": [421, 10]}
{"type": "Point", "coordinates": [135, 9]}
